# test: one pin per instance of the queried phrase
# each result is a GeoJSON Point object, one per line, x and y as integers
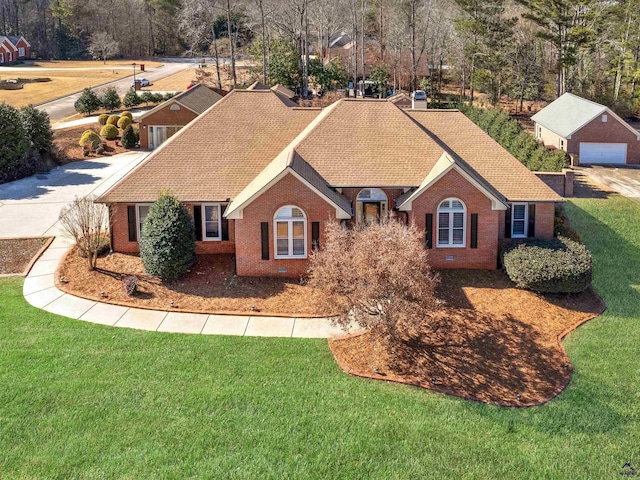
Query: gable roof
{"type": "Point", "coordinates": [282, 90]}
{"type": "Point", "coordinates": [16, 38]}
{"type": "Point", "coordinates": [197, 99]}
{"type": "Point", "coordinates": [569, 113]}
{"type": "Point", "coordinates": [6, 41]}
{"type": "Point", "coordinates": [214, 158]}
{"type": "Point", "coordinates": [257, 85]}
{"type": "Point", "coordinates": [351, 143]}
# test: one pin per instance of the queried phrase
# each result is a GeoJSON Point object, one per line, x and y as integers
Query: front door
{"type": "Point", "coordinates": [371, 212]}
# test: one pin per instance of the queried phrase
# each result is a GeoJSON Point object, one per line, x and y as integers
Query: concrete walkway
{"type": "Point", "coordinates": [40, 291]}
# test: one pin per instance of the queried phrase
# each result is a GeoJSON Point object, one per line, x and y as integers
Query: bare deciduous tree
{"type": "Point", "coordinates": [86, 222]}
{"type": "Point", "coordinates": [103, 46]}
{"type": "Point", "coordinates": [376, 276]}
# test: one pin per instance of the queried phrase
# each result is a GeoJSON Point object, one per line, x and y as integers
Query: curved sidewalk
{"type": "Point", "coordinates": [40, 291]}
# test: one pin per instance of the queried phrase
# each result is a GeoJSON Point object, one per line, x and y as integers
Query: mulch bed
{"type": "Point", "coordinates": [66, 146]}
{"type": "Point", "coordinates": [17, 254]}
{"type": "Point", "coordinates": [491, 342]}
{"type": "Point", "coordinates": [210, 287]}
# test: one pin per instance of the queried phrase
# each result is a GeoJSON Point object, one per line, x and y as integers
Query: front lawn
{"type": "Point", "coordinates": [85, 401]}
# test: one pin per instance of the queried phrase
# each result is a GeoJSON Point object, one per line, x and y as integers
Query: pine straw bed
{"type": "Point", "coordinates": [491, 343]}
{"type": "Point", "coordinates": [210, 287]}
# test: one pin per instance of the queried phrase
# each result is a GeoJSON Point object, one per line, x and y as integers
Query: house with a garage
{"type": "Point", "coordinates": [265, 189]}
{"type": "Point", "coordinates": [587, 129]}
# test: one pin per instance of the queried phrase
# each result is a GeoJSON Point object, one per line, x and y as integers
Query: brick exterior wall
{"type": "Point", "coordinates": [5, 48]}
{"type": "Point", "coordinates": [120, 234]}
{"type": "Point", "coordinates": [559, 182]}
{"type": "Point", "coordinates": [453, 184]}
{"type": "Point", "coordinates": [545, 214]}
{"type": "Point", "coordinates": [611, 131]}
{"type": "Point", "coordinates": [23, 44]}
{"type": "Point", "coordinates": [288, 191]}
{"type": "Point", "coordinates": [164, 116]}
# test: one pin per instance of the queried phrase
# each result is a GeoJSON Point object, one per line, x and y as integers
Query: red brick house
{"type": "Point", "coordinates": [587, 129]}
{"type": "Point", "coordinates": [264, 190]}
{"type": "Point", "coordinates": [163, 121]}
{"type": "Point", "coordinates": [13, 48]}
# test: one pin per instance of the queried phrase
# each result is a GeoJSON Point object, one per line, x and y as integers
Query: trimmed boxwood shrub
{"type": "Point", "coordinates": [124, 122]}
{"type": "Point", "coordinates": [167, 239]}
{"type": "Point", "coordinates": [110, 132]}
{"type": "Point", "coordinates": [127, 113]}
{"type": "Point", "coordinates": [113, 120]}
{"type": "Point", "coordinates": [90, 137]}
{"type": "Point", "coordinates": [559, 265]}
{"type": "Point", "coordinates": [102, 119]}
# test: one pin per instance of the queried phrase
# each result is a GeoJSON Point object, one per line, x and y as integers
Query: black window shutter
{"type": "Point", "coordinates": [531, 232]}
{"type": "Point", "coordinates": [474, 230]}
{"type": "Point", "coordinates": [428, 234]}
{"type": "Point", "coordinates": [197, 221]}
{"type": "Point", "coordinates": [264, 233]}
{"type": "Point", "coordinates": [225, 223]}
{"type": "Point", "coordinates": [133, 231]}
{"type": "Point", "coordinates": [315, 235]}
{"type": "Point", "coordinates": [507, 222]}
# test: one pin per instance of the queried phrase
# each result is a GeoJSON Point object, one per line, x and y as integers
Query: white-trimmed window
{"type": "Point", "coordinates": [10, 56]}
{"type": "Point", "coordinates": [452, 221]}
{"type": "Point", "coordinates": [21, 52]}
{"type": "Point", "coordinates": [142, 211]}
{"type": "Point", "coordinates": [1, 57]}
{"type": "Point", "coordinates": [290, 225]}
{"type": "Point", "coordinates": [519, 220]}
{"type": "Point", "coordinates": [538, 131]}
{"type": "Point", "coordinates": [211, 219]}
{"type": "Point", "coordinates": [604, 119]}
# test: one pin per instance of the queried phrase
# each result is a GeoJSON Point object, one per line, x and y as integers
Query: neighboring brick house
{"type": "Point", "coordinates": [13, 48]}
{"type": "Point", "coordinates": [265, 189]}
{"type": "Point", "coordinates": [587, 129]}
{"type": "Point", "coordinates": [163, 121]}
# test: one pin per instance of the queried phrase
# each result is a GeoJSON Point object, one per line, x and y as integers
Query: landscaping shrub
{"type": "Point", "coordinates": [127, 113]}
{"type": "Point", "coordinates": [157, 97]}
{"type": "Point", "coordinates": [88, 102]}
{"type": "Point", "coordinates": [169, 95]}
{"type": "Point", "coordinates": [14, 145]}
{"type": "Point", "coordinates": [147, 97]}
{"type": "Point", "coordinates": [38, 129]}
{"type": "Point", "coordinates": [167, 239]}
{"type": "Point", "coordinates": [102, 119]}
{"type": "Point", "coordinates": [124, 122]}
{"type": "Point", "coordinates": [508, 133]}
{"type": "Point", "coordinates": [91, 138]}
{"type": "Point", "coordinates": [113, 120]}
{"type": "Point", "coordinates": [130, 284]}
{"type": "Point", "coordinates": [559, 265]}
{"type": "Point", "coordinates": [128, 137]}
{"type": "Point", "coordinates": [136, 132]}
{"type": "Point", "coordinates": [110, 132]}
{"type": "Point", "coordinates": [111, 99]}
{"type": "Point", "coordinates": [131, 99]}
{"type": "Point", "coordinates": [86, 222]}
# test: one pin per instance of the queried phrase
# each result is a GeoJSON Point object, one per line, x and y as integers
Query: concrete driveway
{"type": "Point", "coordinates": [623, 179]}
{"type": "Point", "coordinates": [30, 206]}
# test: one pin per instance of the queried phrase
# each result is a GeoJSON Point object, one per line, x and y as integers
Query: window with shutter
{"type": "Point", "coordinates": [519, 220]}
{"type": "Point", "coordinates": [452, 221]}
{"type": "Point", "coordinates": [290, 225]}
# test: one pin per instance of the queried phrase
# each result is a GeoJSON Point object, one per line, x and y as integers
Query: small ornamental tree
{"type": "Point", "coordinates": [88, 102]}
{"type": "Point", "coordinates": [113, 120]}
{"type": "Point", "coordinates": [377, 277]}
{"type": "Point", "coordinates": [131, 99]}
{"type": "Point", "coordinates": [38, 128]}
{"type": "Point", "coordinates": [14, 144]}
{"type": "Point", "coordinates": [86, 222]}
{"type": "Point", "coordinates": [167, 239]}
{"type": "Point", "coordinates": [128, 137]}
{"type": "Point", "coordinates": [124, 122]}
{"type": "Point", "coordinates": [102, 119]}
{"type": "Point", "coordinates": [111, 99]}
{"type": "Point", "coordinates": [147, 97]}
{"type": "Point", "coordinates": [110, 132]}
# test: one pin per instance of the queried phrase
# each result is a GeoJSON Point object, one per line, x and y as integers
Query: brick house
{"type": "Point", "coordinates": [13, 48]}
{"type": "Point", "coordinates": [163, 121]}
{"type": "Point", "coordinates": [587, 129]}
{"type": "Point", "coordinates": [264, 190]}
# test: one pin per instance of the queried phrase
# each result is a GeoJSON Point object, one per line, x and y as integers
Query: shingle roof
{"type": "Point", "coordinates": [567, 114]}
{"type": "Point", "coordinates": [350, 143]}
{"type": "Point", "coordinates": [455, 132]}
{"type": "Point", "coordinates": [219, 153]}
{"type": "Point", "coordinates": [282, 90]}
{"type": "Point", "coordinates": [197, 99]}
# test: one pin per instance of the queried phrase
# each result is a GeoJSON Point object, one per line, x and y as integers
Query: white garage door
{"type": "Point", "coordinates": [603, 152]}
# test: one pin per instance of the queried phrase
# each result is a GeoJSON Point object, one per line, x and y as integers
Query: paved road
{"type": "Point", "coordinates": [624, 180]}
{"type": "Point", "coordinates": [30, 207]}
{"type": "Point", "coordinates": [63, 107]}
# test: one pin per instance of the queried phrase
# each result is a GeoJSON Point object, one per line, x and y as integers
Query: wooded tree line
{"type": "Point", "coordinates": [526, 49]}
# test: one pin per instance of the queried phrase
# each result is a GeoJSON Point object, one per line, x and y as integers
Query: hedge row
{"type": "Point", "coordinates": [559, 265]}
{"type": "Point", "coordinates": [521, 144]}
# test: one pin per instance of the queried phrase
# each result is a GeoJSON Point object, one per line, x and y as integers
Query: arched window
{"type": "Point", "coordinates": [452, 223]}
{"type": "Point", "coordinates": [290, 225]}
{"type": "Point", "coordinates": [371, 205]}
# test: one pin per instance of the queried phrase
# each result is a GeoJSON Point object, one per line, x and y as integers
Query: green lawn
{"type": "Point", "coordinates": [84, 401]}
